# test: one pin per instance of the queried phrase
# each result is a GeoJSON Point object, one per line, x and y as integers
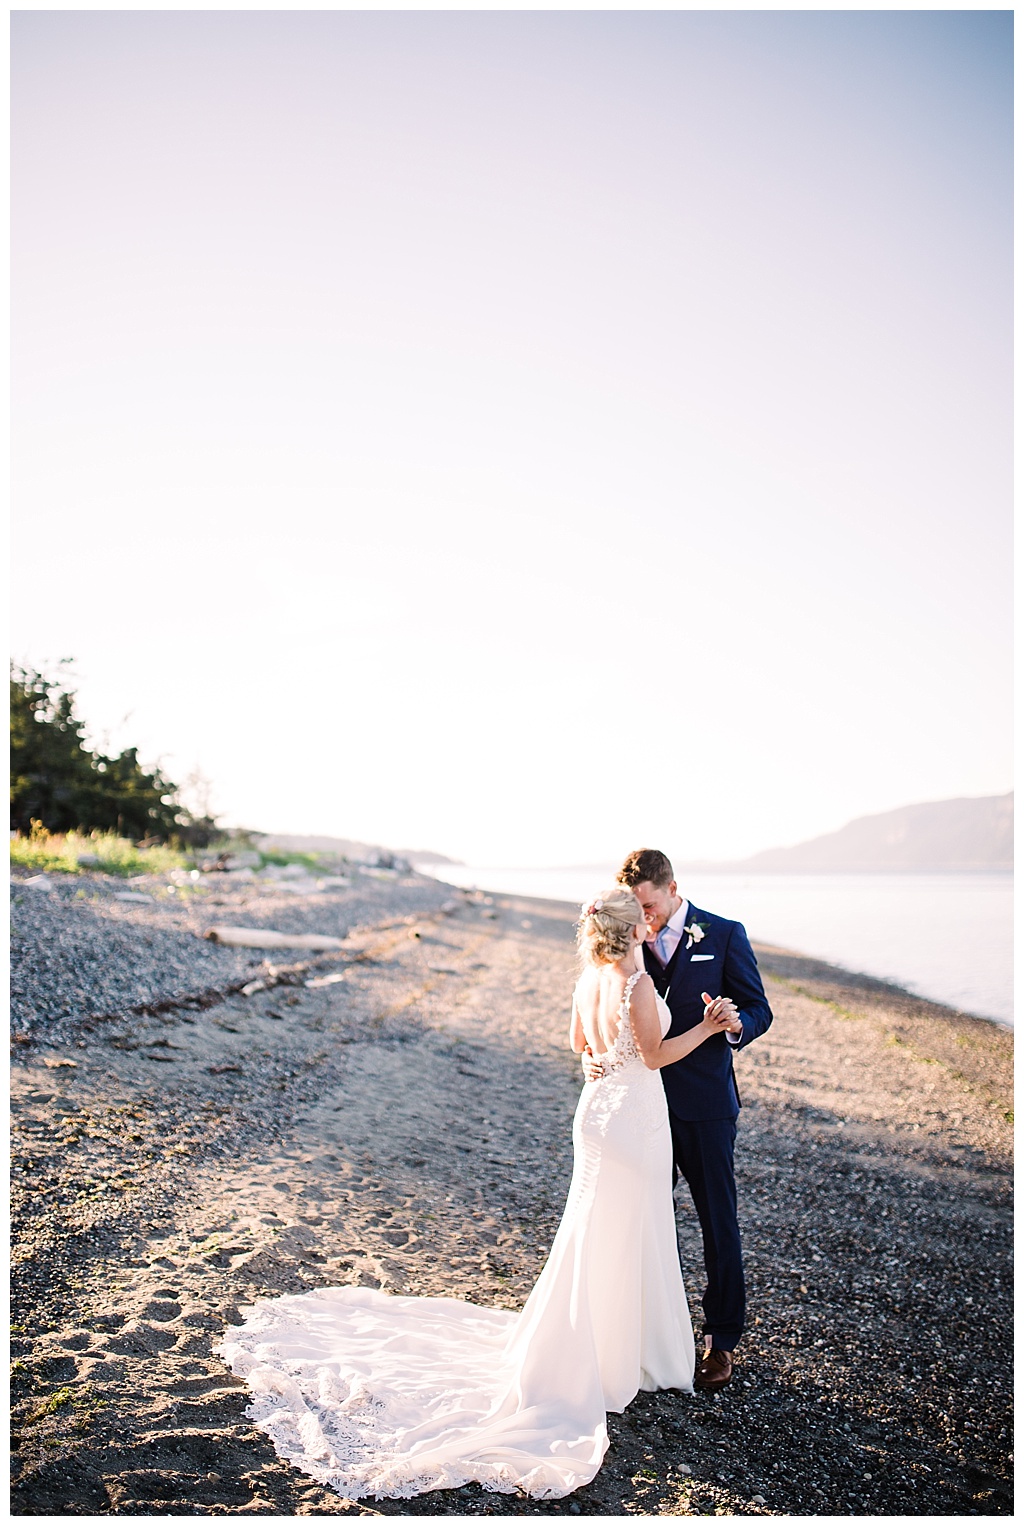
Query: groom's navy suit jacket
{"type": "Point", "coordinates": [702, 1086]}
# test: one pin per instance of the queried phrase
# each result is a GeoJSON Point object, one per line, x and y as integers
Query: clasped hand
{"type": "Point", "coordinates": [720, 1013]}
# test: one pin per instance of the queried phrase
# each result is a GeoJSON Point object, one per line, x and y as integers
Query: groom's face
{"type": "Point", "coordinates": [658, 902]}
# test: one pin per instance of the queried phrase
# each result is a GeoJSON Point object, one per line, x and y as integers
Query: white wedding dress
{"type": "Point", "coordinates": [388, 1396]}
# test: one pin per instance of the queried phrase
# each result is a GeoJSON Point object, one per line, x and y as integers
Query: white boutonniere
{"type": "Point", "coordinates": [695, 933]}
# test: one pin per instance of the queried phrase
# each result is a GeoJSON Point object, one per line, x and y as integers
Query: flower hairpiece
{"type": "Point", "coordinates": [588, 911]}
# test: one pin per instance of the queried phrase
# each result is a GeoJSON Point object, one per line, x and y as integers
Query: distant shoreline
{"type": "Point", "coordinates": [817, 871]}
{"type": "Point", "coordinates": [775, 958]}
{"type": "Point", "coordinates": [979, 1049]}
{"type": "Point", "coordinates": [719, 866]}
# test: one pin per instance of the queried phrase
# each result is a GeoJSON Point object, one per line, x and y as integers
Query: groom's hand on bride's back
{"type": "Point", "coordinates": [592, 1067]}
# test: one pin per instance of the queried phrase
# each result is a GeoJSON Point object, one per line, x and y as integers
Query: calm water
{"type": "Point", "coordinates": [945, 936]}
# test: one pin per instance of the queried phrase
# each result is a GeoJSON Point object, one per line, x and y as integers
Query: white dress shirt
{"type": "Point", "coordinates": [670, 935]}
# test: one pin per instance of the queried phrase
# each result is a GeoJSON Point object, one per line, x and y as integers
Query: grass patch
{"type": "Point", "coordinates": [57, 1401]}
{"type": "Point", "coordinates": [206, 1247]}
{"type": "Point", "coordinates": [823, 1001]}
{"type": "Point", "coordinates": [311, 861]}
{"type": "Point", "coordinates": [78, 1398]}
{"type": "Point", "coordinates": [62, 852]}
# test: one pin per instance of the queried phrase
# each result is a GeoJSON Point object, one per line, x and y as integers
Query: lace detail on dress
{"type": "Point", "coordinates": [351, 1433]}
{"type": "Point", "coordinates": [624, 1049]}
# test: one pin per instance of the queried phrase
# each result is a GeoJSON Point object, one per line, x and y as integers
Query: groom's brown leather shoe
{"type": "Point", "coordinates": [714, 1371]}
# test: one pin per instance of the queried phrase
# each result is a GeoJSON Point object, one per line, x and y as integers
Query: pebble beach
{"type": "Point", "coordinates": [197, 1125]}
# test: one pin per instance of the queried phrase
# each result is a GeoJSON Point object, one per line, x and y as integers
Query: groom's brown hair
{"type": "Point", "coordinates": [646, 865]}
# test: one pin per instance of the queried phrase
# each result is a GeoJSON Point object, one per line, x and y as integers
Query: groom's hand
{"type": "Point", "coordinates": [592, 1067]}
{"type": "Point", "coordinates": [723, 1012]}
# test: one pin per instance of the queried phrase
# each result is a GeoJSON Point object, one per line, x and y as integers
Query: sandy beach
{"type": "Point", "coordinates": [397, 1114]}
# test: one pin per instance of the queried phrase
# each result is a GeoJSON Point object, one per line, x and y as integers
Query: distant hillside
{"type": "Point", "coordinates": [943, 835]}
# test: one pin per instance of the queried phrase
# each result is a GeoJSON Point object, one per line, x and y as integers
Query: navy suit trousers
{"type": "Point", "coordinates": [703, 1154]}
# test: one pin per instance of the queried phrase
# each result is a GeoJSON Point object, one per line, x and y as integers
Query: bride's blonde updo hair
{"type": "Point", "coordinates": [605, 929]}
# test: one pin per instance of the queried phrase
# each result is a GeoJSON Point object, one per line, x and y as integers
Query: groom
{"type": "Point", "coordinates": [693, 957]}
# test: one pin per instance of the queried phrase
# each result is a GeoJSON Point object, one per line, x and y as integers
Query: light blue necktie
{"type": "Point", "coordinates": [661, 944]}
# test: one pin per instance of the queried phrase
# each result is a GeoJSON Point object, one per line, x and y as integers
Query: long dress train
{"type": "Point", "coordinates": [379, 1395]}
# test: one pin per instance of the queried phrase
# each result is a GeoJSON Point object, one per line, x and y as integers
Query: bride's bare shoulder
{"type": "Point", "coordinates": [588, 981]}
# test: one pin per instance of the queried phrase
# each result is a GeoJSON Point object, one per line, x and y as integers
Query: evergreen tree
{"type": "Point", "coordinates": [57, 780]}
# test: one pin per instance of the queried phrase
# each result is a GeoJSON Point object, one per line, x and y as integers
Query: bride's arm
{"type": "Point", "coordinates": [577, 1037]}
{"type": "Point", "coordinates": [654, 1050]}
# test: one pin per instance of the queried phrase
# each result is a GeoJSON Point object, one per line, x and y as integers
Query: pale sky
{"type": "Point", "coordinates": [522, 435]}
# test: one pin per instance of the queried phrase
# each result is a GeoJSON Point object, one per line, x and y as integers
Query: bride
{"type": "Point", "coordinates": [389, 1396]}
